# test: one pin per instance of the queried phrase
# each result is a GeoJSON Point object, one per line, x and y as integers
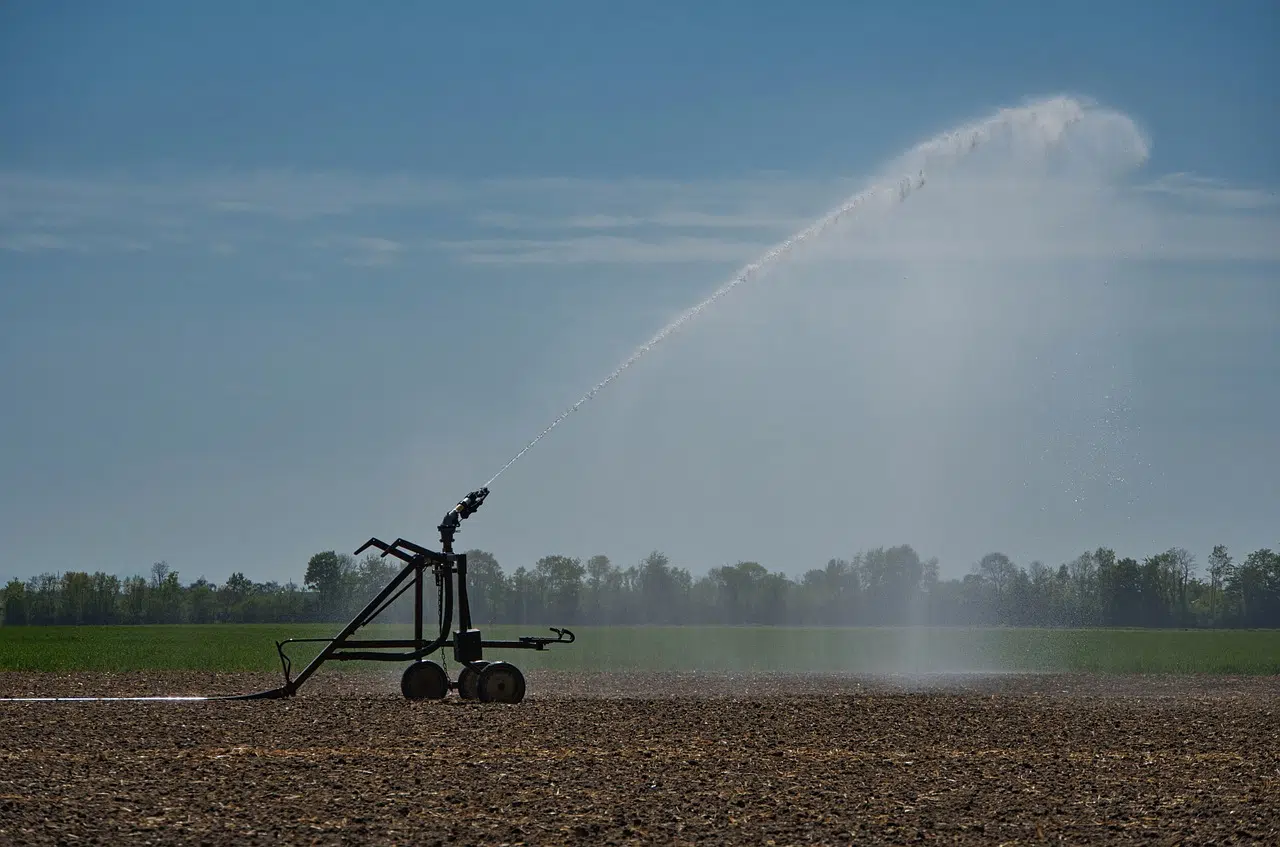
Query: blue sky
{"type": "Point", "coordinates": [274, 279]}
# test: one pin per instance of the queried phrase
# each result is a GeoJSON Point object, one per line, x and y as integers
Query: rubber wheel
{"type": "Point", "coordinates": [500, 683]}
{"type": "Point", "coordinates": [424, 681]}
{"type": "Point", "coordinates": [469, 681]}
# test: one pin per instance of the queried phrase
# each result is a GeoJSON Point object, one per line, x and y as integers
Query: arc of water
{"type": "Point", "coordinates": [1042, 124]}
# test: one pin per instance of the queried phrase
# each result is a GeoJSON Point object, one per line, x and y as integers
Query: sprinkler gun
{"type": "Point", "coordinates": [478, 679]}
{"type": "Point", "coordinates": [453, 519]}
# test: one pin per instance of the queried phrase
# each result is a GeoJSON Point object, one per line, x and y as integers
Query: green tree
{"type": "Point", "coordinates": [135, 600]}
{"type": "Point", "coordinates": [1219, 572]}
{"type": "Point", "coordinates": [601, 588]}
{"type": "Point", "coordinates": [1182, 565]}
{"type": "Point", "coordinates": [740, 591]}
{"type": "Point", "coordinates": [15, 603]}
{"type": "Point", "coordinates": [202, 601]}
{"type": "Point", "coordinates": [171, 599]}
{"type": "Point", "coordinates": [77, 597]}
{"type": "Point", "coordinates": [106, 598]}
{"type": "Point", "coordinates": [998, 573]}
{"type": "Point", "coordinates": [234, 596]}
{"type": "Point", "coordinates": [891, 578]}
{"type": "Point", "coordinates": [368, 577]}
{"type": "Point", "coordinates": [526, 600]}
{"type": "Point", "coordinates": [487, 587]}
{"type": "Point", "coordinates": [324, 575]}
{"type": "Point", "coordinates": [831, 593]}
{"type": "Point", "coordinates": [560, 581]}
{"type": "Point", "coordinates": [1256, 584]}
{"type": "Point", "coordinates": [664, 590]}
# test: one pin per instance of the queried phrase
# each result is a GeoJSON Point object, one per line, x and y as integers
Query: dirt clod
{"type": "Point", "coordinates": [655, 758]}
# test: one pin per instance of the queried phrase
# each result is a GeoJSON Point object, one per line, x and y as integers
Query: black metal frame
{"type": "Point", "coordinates": [467, 643]}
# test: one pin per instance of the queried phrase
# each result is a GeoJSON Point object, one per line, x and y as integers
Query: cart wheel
{"type": "Point", "coordinates": [500, 682]}
{"type": "Point", "coordinates": [469, 681]}
{"type": "Point", "coordinates": [424, 681]}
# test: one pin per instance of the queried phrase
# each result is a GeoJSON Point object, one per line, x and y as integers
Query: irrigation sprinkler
{"type": "Point", "coordinates": [423, 679]}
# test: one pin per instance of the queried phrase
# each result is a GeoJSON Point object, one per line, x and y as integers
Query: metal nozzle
{"type": "Point", "coordinates": [455, 516]}
{"type": "Point", "coordinates": [469, 504]}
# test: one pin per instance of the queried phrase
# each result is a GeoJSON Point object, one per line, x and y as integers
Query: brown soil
{"type": "Point", "coordinates": [656, 758]}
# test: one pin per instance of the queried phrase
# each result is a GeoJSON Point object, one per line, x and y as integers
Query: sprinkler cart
{"type": "Point", "coordinates": [478, 679]}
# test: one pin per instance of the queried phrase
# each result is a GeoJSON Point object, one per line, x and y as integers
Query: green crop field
{"type": "Point", "coordinates": [856, 650]}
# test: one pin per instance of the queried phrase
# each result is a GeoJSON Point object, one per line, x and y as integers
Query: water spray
{"type": "Point", "coordinates": [1044, 122]}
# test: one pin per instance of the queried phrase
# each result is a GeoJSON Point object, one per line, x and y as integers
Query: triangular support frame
{"type": "Point", "coordinates": [447, 567]}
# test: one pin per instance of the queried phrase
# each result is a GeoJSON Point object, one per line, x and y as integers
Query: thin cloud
{"type": "Point", "coordinates": [597, 249]}
{"type": "Point", "coordinates": [47, 242]}
{"type": "Point", "coordinates": [34, 242]}
{"type": "Point", "coordinates": [1212, 192]}
{"type": "Point", "coordinates": [364, 251]}
{"type": "Point", "coordinates": [997, 219]}
{"type": "Point", "coordinates": [570, 221]}
{"type": "Point", "coordinates": [668, 219]}
{"type": "Point", "coordinates": [286, 195]}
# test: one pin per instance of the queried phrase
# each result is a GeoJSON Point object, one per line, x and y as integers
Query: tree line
{"type": "Point", "coordinates": [883, 586]}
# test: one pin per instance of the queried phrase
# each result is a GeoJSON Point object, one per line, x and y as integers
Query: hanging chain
{"type": "Point", "coordinates": [441, 575]}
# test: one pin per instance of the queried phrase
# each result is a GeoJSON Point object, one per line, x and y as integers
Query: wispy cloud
{"type": "Point", "coordinates": [224, 213]}
{"type": "Point", "coordinates": [987, 219]}
{"type": "Point", "coordinates": [362, 250]}
{"type": "Point", "coordinates": [1212, 192]}
{"type": "Point", "coordinates": [20, 241]}
{"type": "Point", "coordinates": [288, 195]}
{"type": "Point", "coordinates": [34, 242]}
{"type": "Point", "coordinates": [664, 219]}
{"type": "Point", "coordinates": [378, 220]}
{"type": "Point", "coordinates": [598, 249]}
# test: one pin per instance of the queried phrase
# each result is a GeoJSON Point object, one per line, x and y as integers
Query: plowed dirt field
{"type": "Point", "coordinates": [664, 759]}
